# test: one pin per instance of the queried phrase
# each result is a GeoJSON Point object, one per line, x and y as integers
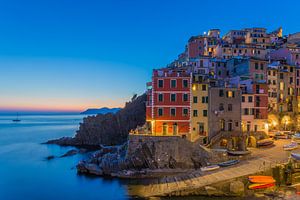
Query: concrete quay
{"type": "Point", "coordinates": [260, 160]}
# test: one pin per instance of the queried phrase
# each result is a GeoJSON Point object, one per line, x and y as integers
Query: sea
{"type": "Point", "coordinates": [27, 174]}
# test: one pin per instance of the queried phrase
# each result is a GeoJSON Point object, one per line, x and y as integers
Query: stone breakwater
{"type": "Point", "coordinates": [144, 156]}
{"type": "Point", "coordinates": [109, 129]}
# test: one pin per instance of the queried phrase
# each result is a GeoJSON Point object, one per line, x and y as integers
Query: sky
{"type": "Point", "coordinates": [69, 55]}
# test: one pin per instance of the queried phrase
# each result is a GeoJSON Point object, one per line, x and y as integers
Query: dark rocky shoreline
{"type": "Point", "coordinates": [107, 129]}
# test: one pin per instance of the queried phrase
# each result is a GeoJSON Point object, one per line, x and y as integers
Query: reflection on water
{"type": "Point", "coordinates": [25, 173]}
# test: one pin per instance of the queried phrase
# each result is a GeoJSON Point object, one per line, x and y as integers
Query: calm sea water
{"type": "Point", "coordinates": [26, 174]}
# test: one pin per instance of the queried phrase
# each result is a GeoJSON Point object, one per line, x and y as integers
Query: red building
{"type": "Point", "coordinates": [168, 102]}
{"type": "Point", "coordinates": [196, 47]}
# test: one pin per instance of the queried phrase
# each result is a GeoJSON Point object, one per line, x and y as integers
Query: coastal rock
{"type": "Point", "coordinates": [142, 155]}
{"type": "Point", "coordinates": [70, 153]}
{"type": "Point", "coordinates": [50, 157]}
{"type": "Point", "coordinates": [212, 191]}
{"type": "Point", "coordinates": [237, 188]}
{"type": "Point", "coordinates": [108, 129]}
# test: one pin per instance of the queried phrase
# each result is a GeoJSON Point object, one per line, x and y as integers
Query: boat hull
{"type": "Point", "coordinates": [228, 163]}
{"type": "Point", "coordinates": [209, 168]}
{"type": "Point", "coordinates": [261, 186]}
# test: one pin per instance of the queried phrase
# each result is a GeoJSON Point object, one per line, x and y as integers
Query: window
{"type": "Point", "coordinates": [237, 124]}
{"type": "Point", "coordinates": [173, 83]}
{"type": "Point", "coordinates": [203, 87]}
{"type": "Point", "coordinates": [205, 99]}
{"type": "Point", "coordinates": [173, 112]}
{"type": "Point", "coordinates": [185, 97]}
{"type": "Point", "coordinates": [291, 80]}
{"type": "Point", "coordinates": [204, 113]}
{"type": "Point", "coordinates": [221, 93]}
{"type": "Point", "coordinates": [160, 112]}
{"type": "Point", "coordinates": [185, 112]}
{"type": "Point", "coordinates": [250, 99]}
{"type": "Point", "coordinates": [230, 94]}
{"type": "Point", "coordinates": [185, 83]}
{"type": "Point", "coordinates": [195, 113]}
{"type": "Point", "coordinates": [221, 107]}
{"type": "Point", "coordinates": [222, 124]}
{"type": "Point", "coordinates": [160, 97]}
{"type": "Point", "coordinates": [195, 99]}
{"type": "Point", "coordinates": [281, 85]}
{"type": "Point", "coordinates": [173, 97]}
{"type": "Point", "coordinates": [262, 66]}
{"type": "Point", "coordinates": [281, 75]}
{"type": "Point", "coordinates": [229, 107]}
{"type": "Point", "coordinates": [256, 65]}
{"type": "Point", "coordinates": [246, 111]}
{"type": "Point", "coordinates": [160, 83]}
{"type": "Point", "coordinates": [243, 99]}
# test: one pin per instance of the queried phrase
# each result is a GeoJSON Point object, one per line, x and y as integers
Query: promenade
{"type": "Point", "coordinates": [261, 159]}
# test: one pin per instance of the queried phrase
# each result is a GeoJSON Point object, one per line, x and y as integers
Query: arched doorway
{"type": "Point", "coordinates": [251, 141]}
{"type": "Point", "coordinates": [175, 129]}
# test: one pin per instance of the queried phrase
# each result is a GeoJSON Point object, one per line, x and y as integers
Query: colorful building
{"type": "Point", "coordinates": [168, 106]}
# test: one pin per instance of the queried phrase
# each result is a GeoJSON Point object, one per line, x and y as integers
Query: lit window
{"type": "Point", "coordinates": [281, 85]}
{"type": "Point", "coordinates": [229, 94]}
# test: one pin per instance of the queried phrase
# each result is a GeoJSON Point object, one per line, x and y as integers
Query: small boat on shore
{"type": "Point", "coordinates": [265, 142]}
{"type": "Point", "coordinates": [288, 147]}
{"type": "Point", "coordinates": [261, 185]}
{"type": "Point", "coordinates": [228, 163]}
{"type": "Point", "coordinates": [238, 153]}
{"type": "Point", "coordinates": [295, 156]}
{"type": "Point", "coordinates": [261, 179]}
{"type": "Point", "coordinates": [209, 168]}
{"type": "Point", "coordinates": [296, 137]}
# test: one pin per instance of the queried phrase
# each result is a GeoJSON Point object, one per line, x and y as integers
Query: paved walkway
{"type": "Point", "coordinates": [260, 160]}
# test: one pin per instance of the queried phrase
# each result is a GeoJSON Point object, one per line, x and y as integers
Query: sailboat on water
{"type": "Point", "coordinates": [17, 119]}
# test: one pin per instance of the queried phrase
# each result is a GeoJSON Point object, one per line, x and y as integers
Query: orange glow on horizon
{"type": "Point", "coordinates": [56, 106]}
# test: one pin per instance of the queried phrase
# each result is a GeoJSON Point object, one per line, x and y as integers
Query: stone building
{"type": "Point", "coordinates": [224, 116]}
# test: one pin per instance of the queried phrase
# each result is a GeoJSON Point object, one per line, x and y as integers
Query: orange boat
{"type": "Point", "coordinates": [262, 180]}
{"type": "Point", "coordinates": [261, 186]}
{"type": "Point", "coordinates": [260, 177]}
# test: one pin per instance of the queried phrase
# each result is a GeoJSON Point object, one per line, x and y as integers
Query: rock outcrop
{"type": "Point", "coordinates": [142, 155]}
{"type": "Point", "coordinates": [108, 129]}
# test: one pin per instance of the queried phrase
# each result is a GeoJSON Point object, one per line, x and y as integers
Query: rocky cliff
{"type": "Point", "coordinates": [108, 129]}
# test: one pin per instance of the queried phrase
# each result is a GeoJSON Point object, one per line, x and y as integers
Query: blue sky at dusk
{"type": "Point", "coordinates": [75, 54]}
